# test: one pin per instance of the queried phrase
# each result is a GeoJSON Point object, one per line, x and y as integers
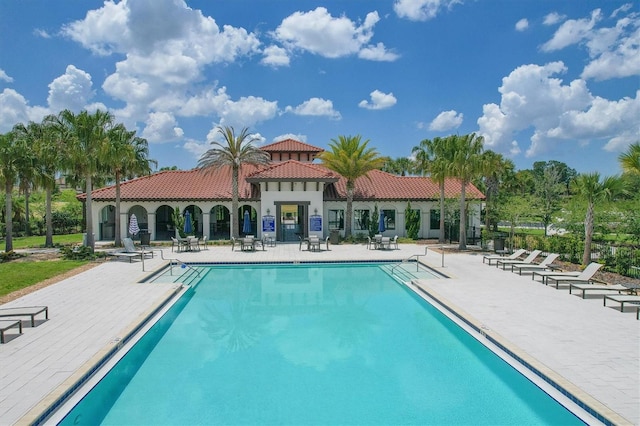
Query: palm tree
{"type": "Point", "coordinates": [465, 166]}
{"type": "Point", "coordinates": [350, 158]}
{"type": "Point", "coordinates": [630, 160]}
{"type": "Point", "coordinates": [495, 169]}
{"type": "Point", "coordinates": [84, 135]}
{"type": "Point", "coordinates": [12, 160]}
{"type": "Point", "coordinates": [124, 155]}
{"type": "Point", "coordinates": [593, 190]}
{"type": "Point", "coordinates": [236, 151]}
{"type": "Point", "coordinates": [401, 166]}
{"type": "Point", "coordinates": [434, 157]}
{"type": "Point", "coordinates": [41, 138]}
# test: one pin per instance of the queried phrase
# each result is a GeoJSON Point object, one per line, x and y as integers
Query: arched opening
{"type": "Point", "coordinates": [196, 219]}
{"type": "Point", "coordinates": [107, 226]}
{"type": "Point", "coordinates": [248, 223]}
{"type": "Point", "coordinates": [141, 217]}
{"type": "Point", "coordinates": [219, 226]}
{"type": "Point", "coordinates": [164, 224]}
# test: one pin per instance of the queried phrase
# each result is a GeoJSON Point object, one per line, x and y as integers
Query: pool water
{"type": "Point", "coordinates": [313, 345]}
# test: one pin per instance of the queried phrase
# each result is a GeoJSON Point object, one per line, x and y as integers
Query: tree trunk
{"type": "Point", "coordinates": [588, 235]}
{"type": "Point", "coordinates": [48, 240]}
{"type": "Point", "coordinates": [89, 214]}
{"type": "Point", "coordinates": [441, 239]}
{"type": "Point", "coordinates": [27, 212]}
{"type": "Point", "coordinates": [117, 236]}
{"type": "Point", "coordinates": [347, 219]}
{"type": "Point", "coordinates": [462, 245]}
{"type": "Point", "coordinates": [235, 223]}
{"type": "Point", "coordinates": [8, 216]}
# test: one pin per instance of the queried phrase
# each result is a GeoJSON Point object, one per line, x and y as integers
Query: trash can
{"type": "Point", "coordinates": [145, 238]}
{"type": "Point", "coordinates": [334, 236]}
{"type": "Point", "coordinates": [498, 242]}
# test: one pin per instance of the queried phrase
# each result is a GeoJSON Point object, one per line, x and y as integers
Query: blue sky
{"type": "Point", "coordinates": [539, 80]}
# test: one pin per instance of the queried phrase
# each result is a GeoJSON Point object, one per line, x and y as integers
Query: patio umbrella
{"type": "Point", "coordinates": [188, 226]}
{"type": "Point", "coordinates": [133, 225]}
{"type": "Point", "coordinates": [381, 227]}
{"type": "Point", "coordinates": [246, 223]}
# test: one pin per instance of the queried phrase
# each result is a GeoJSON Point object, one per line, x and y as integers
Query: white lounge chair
{"type": "Point", "coordinates": [526, 261]}
{"type": "Point", "coordinates": [130, 251]}
{"type": "Point", "coordinates": [542, 266]}
{"type": "Point", "coordinates": [494, 257]}
{"type": "Point", "coordinates": [584, 277]}
{"type": "Point", "coordinates": [597, 287]}
{"type": "Point", "coordinates": [7, 325]}
{"type": "Point", "coordinates": [25, 311]}
{"type": "Point", "coordinates": [622, 299]}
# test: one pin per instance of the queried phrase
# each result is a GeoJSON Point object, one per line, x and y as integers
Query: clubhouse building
{"type": "Point", "coordinates": [291, 197]}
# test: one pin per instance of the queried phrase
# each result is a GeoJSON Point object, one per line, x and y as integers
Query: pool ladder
{"type": "Point", "coordinates": [178, 262]}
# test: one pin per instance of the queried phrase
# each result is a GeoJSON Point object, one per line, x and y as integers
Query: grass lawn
{"type": "Point", "coordinates": [18, 275]}
{"type": "Point", "coordinates": [38, 241]}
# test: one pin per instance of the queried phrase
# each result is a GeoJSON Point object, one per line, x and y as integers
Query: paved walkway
{"type": "Point", "coordinates": [594, 349]}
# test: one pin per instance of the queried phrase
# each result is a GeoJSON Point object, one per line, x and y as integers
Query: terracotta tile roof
{"type": "Point", "coordinates": [294, 170]}
{"type": "Point", "coordinates": [291, 145]}
{"type": "Point", "coordinates": [197, 185]}
{"type": "Point", "coordinates": [176, 185]}
{"type": "Point", "coordinates": [385, 186]}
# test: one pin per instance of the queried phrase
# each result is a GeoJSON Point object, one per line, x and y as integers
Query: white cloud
{"type": "Point", "coordinates": [320, 33]}
{"type": "Point", "coordinates": [5, 77]}
{"type": "Point", "coordinates": [522, 24]}
{"type": "Point", "coordinates": [275, 56]}
{"type": "Point", "coordinates": [534, 100]}
{"type": "Point", "coordinates": [571, 32]}
{"type": "Point", "coordinates": [377, 53]}
{"type": "Point", "coordinates": [247, 111]}
{"type": "Point", "coordinates": [298, 137]}
{"type": "Point", "coordinates": [379, 100]}
{"type": "Point", "coordinates": [446, 120]}
{"type": "Point", "coordinates": [196, 148]}
{"type": "Point", "coordinates": [72, 90]}
{"type": "Point", "coordinates": [13, 109]}
{"type": "Point", "coordinates": [421, 10]}
{"type": "Point", "coordinates": [41, 33]}
{"type": "Point", "coordinates": [315, 107]}
{"type": "Point", "coordinates": [161, 127]}
{"type": "Point", "coordinates": [553, 18]}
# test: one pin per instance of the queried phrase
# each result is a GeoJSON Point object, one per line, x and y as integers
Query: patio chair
{"type": "Point", "coordinates": [326, 240]}
{"type": "Point", "coordinates": [25, 311]}
{"type": "Point", "coordinates": [526, 261]}
{"type": "Point", "coordinates": [369, 243]}
{"type": "Point", "coordinates": [203, 243]}
{"type": "Point", "coordinates": [542, 266]}
{"type": "Point", "coordinates": [584, 277]}
{"type": "Point", "coordinates": [494, 257]}
{"type": "Point", "coordinates": [314, 243]}
{"type": "Point", "coordinates": [395, 242]}
{"type": "Point", "coordinates": [385, 243]}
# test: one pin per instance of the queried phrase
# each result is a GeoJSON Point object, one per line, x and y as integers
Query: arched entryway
{"type": "Point", "coordinates": [143, 220]}
{"type": "Point", "coordinates": [164, 223]}
{"type": "Point", "coordinates": [196, 218]}
{"type": "Point", "coordinates": [220, 223]}
{"type": "Point", "coordinates": [107, 226]}
{"type": "Point", "coordinates": [253, 220]}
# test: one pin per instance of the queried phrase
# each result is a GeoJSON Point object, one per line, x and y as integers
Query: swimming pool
{"type": "Point", "coordinates": [311, 344]}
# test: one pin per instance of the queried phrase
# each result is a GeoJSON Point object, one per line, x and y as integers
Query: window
{"type": "Point", "coordinates": [361, 220]}
{"type": "Point", "coordinates": [389, 219]}
{"type": "Point", "coordinates": [434, 219]}
{"type": "Point", "coordinates": [336, 219]}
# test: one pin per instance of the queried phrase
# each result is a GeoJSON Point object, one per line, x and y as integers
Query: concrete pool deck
{"type": "Point", "coordinates": [594, 349]}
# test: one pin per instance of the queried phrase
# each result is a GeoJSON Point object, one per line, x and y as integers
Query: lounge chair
{"type": "Point", "coordinates": [130, 250]}
{"type": "Point", "coordinates": [584, 277]}
{"type": "Point", "coordinates": [622, 299]}
{"type": "Point", "coordinates": [26, 311]}
{"type": "Point", "coordinates": [9, 324]}
{"type": "Point", "coordinates": [526, 261]}
{"type": "Point", "coordinates": [542, 266]}
{"type": "Point", "coordinates": [494, 257]}
{"type": "Point", "coordinates": [597, 287]}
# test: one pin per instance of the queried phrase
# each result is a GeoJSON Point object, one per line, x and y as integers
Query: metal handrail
{"type": "Point", "coordinates": [417, 256]}
{"type": "Point", "coordinates": [178, 261]}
